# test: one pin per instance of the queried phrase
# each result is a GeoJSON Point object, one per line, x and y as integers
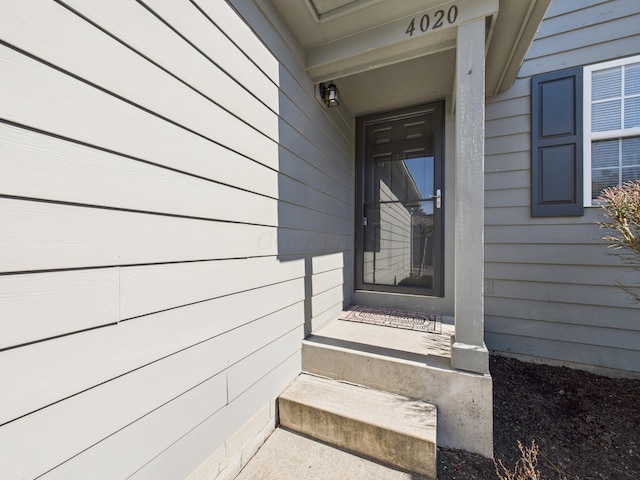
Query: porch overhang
{"type": "Point", "coordinates": [356, 41]}
{"type": "Point", "coordinates": [428, 31]}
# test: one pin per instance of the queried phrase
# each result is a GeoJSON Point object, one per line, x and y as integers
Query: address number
{"type": "Point", "coordinates": [428, 22]}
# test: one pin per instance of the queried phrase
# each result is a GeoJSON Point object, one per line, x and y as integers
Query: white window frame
{"type": "Point", "coordinates": [588, 136]}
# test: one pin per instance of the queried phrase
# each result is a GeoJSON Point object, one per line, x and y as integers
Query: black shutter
{"type": "Point", "coordinates": [556, 144]}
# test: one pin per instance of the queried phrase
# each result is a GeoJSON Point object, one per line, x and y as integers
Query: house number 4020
{"type": "Point", "coordinates": [428, 22]}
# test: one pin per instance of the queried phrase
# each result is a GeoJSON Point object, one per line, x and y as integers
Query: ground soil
{"type": "Point", "coordinates": [586, 426]}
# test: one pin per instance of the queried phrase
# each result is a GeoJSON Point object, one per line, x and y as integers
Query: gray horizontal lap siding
{"type": "Point", "coordinates": [553, 293]}
{"type": "Point", "coordinates": [171, 194]}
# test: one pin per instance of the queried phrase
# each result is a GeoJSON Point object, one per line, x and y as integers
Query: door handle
{"type": "Point", "coordinates": [437, 197]}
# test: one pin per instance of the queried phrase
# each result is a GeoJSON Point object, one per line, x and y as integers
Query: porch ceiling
{"type": "Point", "coordinates": [364, 46]}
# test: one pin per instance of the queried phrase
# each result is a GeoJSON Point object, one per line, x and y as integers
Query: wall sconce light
{"type": "Point", "coordinates": [330, 94]}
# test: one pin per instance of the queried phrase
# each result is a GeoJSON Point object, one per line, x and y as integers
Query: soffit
{"type": "Point", "coordinates": [401, 84]}
{"type": "Point", "coordinates": [345, 40]}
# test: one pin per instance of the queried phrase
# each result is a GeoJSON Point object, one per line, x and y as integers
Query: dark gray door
{"type": "Point", "coordinates": [400, 201]}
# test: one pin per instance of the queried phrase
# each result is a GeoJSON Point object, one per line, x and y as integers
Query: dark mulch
{"type": "Point", "coordinates": [586, 426]}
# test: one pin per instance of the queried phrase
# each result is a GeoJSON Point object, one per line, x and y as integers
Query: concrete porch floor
{"type": "Point", "coordinates": [433, 349]}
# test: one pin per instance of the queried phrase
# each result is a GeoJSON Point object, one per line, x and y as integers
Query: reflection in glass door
{"type": "Point", "coordinates": [400, 239]}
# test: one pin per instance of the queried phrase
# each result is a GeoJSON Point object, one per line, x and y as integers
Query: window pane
{"type": "Point", "coordinates": [632, 112]}
{"type": "Point", "coordinates": [605, 116]}
{"type": "Point", "coordinates": [419, 175]}
{"type": "Point", "coordinates": [606, 83]}
{"type": "Point", "coordinates": [615, 105]}
{"type": "Point", "coordinates": [632, 79]}
{"type": "Point", "coordinates": [630, 173]}
{"type": "Point", "coordinates": [631, 151]}
{"type": "Point", "coordinates": [407, 180]}
{"type": "Point", "coordinates": [605, 154]}
{"type": "Point", "coordinates": [603, 178]}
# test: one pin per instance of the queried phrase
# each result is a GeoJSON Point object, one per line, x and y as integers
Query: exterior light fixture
{"type": "Point", "coordinates": [330, 94]}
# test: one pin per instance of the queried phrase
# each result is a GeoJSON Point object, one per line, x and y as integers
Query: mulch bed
{"type": "Point", "coordinates": [586, 426]}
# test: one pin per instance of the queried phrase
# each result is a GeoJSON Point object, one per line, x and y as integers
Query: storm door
{"type": "Point", "coordinates": [400, 201]}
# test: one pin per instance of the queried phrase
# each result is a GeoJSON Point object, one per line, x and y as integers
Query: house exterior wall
{"type": "Point", "coordinates": [175, 209]}
{"type": "Point", "coordinates": [316, 173]}
{"type": "Point", "coordinates": [549, 290]}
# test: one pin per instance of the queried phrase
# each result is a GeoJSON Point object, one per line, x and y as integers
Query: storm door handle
{"type": "Point", "coordinates": [437, 197]}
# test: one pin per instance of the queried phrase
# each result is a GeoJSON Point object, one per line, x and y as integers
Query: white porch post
{"type": "Point", "coordinates": [468, 351]}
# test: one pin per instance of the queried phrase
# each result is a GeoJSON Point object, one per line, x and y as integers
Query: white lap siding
{"type": "Point", "coordinates": [167, 204]}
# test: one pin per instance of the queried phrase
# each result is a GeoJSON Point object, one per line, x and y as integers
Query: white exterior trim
{"type": "Point", "coordinates": [588, 137]}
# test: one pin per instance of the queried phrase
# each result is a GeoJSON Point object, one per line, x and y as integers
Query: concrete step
{"type": "Point", "coordinates": [389, 359]}
{"type": "Point", "coordinates": [408, 363]}
{"type": "Point", "coordinates": [392, 429]}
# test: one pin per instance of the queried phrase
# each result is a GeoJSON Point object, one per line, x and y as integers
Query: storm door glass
{"type": "Point", "coordinates": [402, 203]}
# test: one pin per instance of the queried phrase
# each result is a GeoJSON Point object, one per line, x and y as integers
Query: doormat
{"type": "Point", "coordinates": [390, 317]}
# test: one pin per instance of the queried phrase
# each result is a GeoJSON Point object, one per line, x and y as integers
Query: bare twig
{"type": "Point", "coordinates": [553, 465]}
{"type": "Point", "coordinates": [526, 466]}
{"type": "Point", "coordinates": [621, 205]}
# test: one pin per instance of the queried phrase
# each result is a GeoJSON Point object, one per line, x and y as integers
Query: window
{"type": "Point", "coordinates": [611, 125]}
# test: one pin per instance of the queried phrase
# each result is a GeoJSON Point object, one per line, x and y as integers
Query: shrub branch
{"type": "Point", "coordinates": [621, 206]}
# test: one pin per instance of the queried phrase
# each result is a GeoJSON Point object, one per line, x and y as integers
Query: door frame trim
{"type": "Point", "coordinates": [361, 123]}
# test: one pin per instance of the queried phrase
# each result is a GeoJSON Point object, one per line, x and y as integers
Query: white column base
{"type": "Point", "coordinates": [471, 358]}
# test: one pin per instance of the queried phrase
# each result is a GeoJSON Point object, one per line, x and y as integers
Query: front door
{"type": "Point", "coordinates": [400, 201]}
